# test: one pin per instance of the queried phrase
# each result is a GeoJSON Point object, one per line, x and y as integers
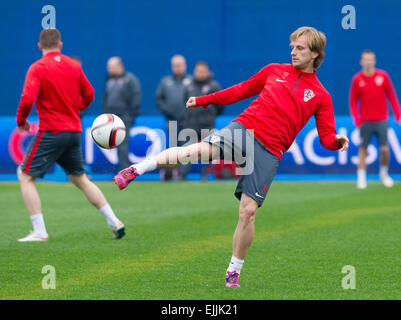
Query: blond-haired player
{"type": "Point", "coordinates": [288, 95]}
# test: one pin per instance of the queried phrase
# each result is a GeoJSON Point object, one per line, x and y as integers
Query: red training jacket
{"type": "Point", "coordinates": [287, 99]}
{"type": "Point", "coordinates": [61, 90]}
{"type": "Point", "coordinates": [371, 92]}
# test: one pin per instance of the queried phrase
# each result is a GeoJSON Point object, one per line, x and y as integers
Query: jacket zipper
{"type": "Point", "coordinates": [299, 77]}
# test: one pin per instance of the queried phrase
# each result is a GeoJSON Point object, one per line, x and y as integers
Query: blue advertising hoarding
{"type": "Point", "coordinates": [306, 159]}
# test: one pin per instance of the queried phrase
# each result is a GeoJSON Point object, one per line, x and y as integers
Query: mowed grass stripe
{"type": "Point", "coordinates": [144, 264]}
{"type": "Point", "coordinates": [305, 197]}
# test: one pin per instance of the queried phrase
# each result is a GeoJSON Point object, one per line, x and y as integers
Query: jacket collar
{"type": "Point", "coordinates": [52, 53]}
{"type": "Point", "coordinates": [298, 72]}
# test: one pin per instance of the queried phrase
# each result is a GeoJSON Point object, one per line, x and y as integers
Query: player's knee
{"type": "Point", "coordinates": [363, 149]}
{"type": "Point", "coordinates": [384, 149]}
{"type": "Point", "coordinates": [247, 213]}
{"type": "Point", "coordinates": [20, 175]}
{"type": "Point", "coordinates": [79, 181]}
{"type": "Point", "coordinates": [24, 178]}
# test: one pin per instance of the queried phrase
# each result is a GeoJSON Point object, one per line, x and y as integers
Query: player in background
{"type": "Point", "coordinates": [370, 87]}
{"type": "Point", "coordinates": [61, 91]}
{"type": "Point", "coordinates": [288, 96]}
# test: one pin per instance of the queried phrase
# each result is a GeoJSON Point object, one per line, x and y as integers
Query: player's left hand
{"type": "Point", "coordinates": [343, 140]}
{"type": "Point", "coordinates": [25, 127]}
{"type": "Point", "coordinates": [191, 103]}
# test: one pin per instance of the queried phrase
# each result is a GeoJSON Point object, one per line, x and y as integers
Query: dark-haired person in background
{"type": "Point", "coordinates": [122, 97]}
{"type": "Point", "coordinates": [370, 87]}
{"type": "Point", "coordinates": [61, 90]}
{"type": "Point", "coordinates": [203, 83]}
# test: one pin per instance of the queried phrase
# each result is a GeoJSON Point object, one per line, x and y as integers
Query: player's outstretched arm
{"type": "Point", "coordinates": [235, 93]}
{"type": "Point", "coordinates": [326, 128]}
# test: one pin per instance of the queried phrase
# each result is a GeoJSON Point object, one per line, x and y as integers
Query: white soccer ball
{"type": "Point", "coordinates": [108, 131]}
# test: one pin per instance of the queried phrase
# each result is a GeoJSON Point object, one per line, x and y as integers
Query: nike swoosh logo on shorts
{"type": "Point", "coordinates": [258, 195]}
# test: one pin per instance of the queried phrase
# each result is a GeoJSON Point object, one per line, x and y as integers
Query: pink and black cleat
{"type": "Point", "coordinates": [125, 176]}
{"type": "Point", "coordinates": [232, 279]}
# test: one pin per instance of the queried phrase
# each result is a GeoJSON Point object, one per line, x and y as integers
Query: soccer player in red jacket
{"type": "Point", "coordinates": [288, 96]}
{"type": "Point", "coordinates": [370, 87]}
{"type": "Point", "coordinates": [61, 91]}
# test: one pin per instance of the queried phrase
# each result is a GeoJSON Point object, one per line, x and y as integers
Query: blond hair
{"type": "Point", "coordinates": [316, 41]}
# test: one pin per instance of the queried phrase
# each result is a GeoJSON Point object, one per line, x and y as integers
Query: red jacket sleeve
{"type": "Point", "coordinates": [325, 125]}
{"type": "Point", "coordinates": [29, 94]}
{"type": "Point", "coordinates": [87, 92]}
{"type": "Point", "coordinates": [353, 102]}
{"type": "Point", "coordinates": [243, 90]}
{"type": "Point", "coordinates": [392, 96]}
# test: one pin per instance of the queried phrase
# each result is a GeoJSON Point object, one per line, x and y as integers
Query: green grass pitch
{"type": "Point", "coordinates": [178, 243]}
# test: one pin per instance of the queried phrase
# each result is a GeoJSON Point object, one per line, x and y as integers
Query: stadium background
{"type": "Point", "coordinates": [236, 37]}
{"type": "Point", "coordinates": [179, 235]}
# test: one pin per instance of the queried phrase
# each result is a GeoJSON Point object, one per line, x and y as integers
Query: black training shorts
{"type": "Point", "coordinates": [46, 148]}
{"type": "Point", "coordinates": [370, 128]}
{"type": "Point", "coordinates": [258, 164]}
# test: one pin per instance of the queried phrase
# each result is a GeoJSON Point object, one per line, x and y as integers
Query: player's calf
{"type": "Point", "coordinates": [168, 158]}
{"type": "Point", "coordinates": [193, 153]}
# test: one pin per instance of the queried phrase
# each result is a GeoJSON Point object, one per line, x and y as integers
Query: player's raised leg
{"type": "Point", "coordinates": [97, 199]}
{"type": "Point", "coordinates": [34, 207]}
{"type": "Point", "coordinates": [169, 158]}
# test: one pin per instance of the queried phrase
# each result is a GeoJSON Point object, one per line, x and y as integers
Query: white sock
{"type": "Point", "coordinates": [108, 213]}
{"type": "Point", "coordinates": [361, 173]}
{"type": "Point", "coordinates": [149, 164]}
{"type": "Point", "coordinates": [235, 265]}
{"type": "Point", "coordinates": [38, 224]}
{"type": "Point", "coordinates": [383, 171]}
